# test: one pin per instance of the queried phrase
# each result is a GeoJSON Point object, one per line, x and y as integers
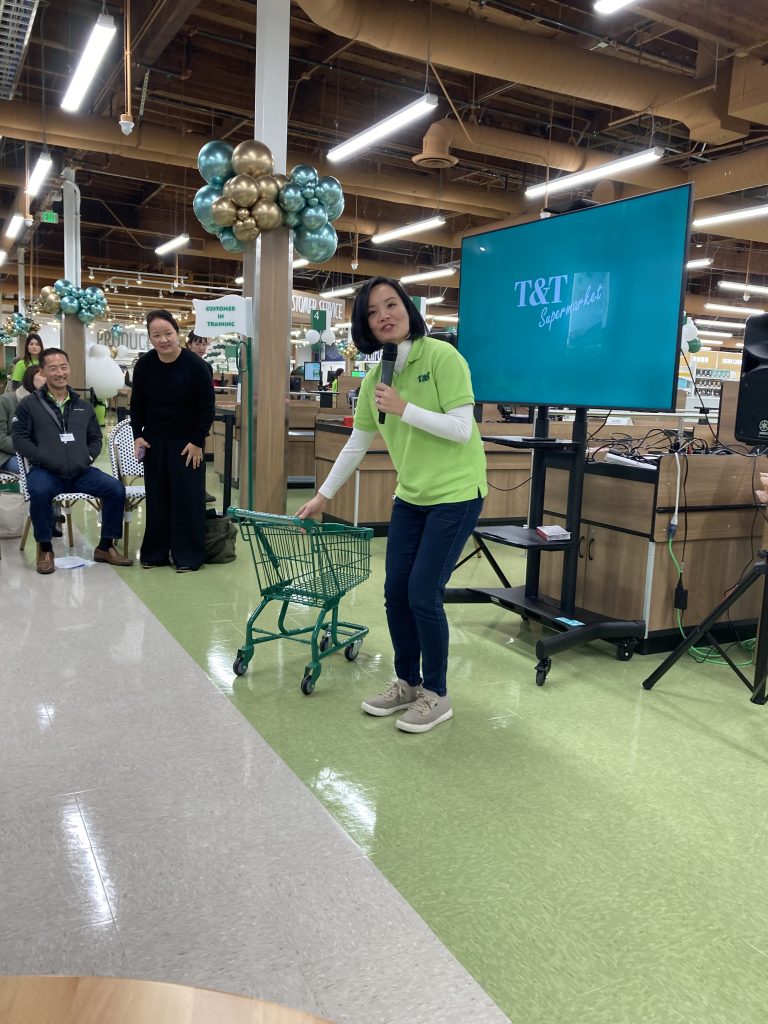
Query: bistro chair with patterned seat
{"type": "Point", "coordinates": [127, 468]}
{"type": "Point", "coordinates": [66, 502]}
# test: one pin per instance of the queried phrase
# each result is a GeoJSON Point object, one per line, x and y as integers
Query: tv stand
{"type": "Point", "coordinates": [575, 625]}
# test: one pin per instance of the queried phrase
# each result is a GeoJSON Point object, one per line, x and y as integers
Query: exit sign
{"type": "Point", "coordinates": [49, 217]}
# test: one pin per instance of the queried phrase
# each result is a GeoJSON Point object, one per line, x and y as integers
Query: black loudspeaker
{"type": "Point", "coordinates": [751, 426]}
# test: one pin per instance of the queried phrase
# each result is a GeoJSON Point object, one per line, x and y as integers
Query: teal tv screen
{"type": "Point", "coordinates": [579, 309]}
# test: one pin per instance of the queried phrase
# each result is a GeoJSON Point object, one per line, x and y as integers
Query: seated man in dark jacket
{"type": "Point", "coordinates": [57, 433]}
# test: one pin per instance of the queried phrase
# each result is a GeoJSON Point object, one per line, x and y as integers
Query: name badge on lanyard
{"type": "Point", "coordinates": [66, 438]}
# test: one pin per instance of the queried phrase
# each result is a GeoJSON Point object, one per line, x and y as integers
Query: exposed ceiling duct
{"type": "Point", "coordinates": [16, 18]}
{"type": "Point", "coordinates": [469, 43]}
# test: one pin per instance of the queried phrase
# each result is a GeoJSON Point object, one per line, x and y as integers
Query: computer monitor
{"type": "Point", "coordinates": [312, 371]}
{"type": "Point", "coordinates": [357, 373]}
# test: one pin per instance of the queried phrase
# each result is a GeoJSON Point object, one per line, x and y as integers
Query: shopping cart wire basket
{"type": "Point", "coordinates": [299, 561]}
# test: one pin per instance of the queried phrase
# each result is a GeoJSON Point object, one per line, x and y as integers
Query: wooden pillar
{"type": "Point", "coordinates": [267, 278]}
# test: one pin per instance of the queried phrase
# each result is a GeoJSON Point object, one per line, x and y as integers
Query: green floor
{"type": "Point", "coordinates": [589, 851]}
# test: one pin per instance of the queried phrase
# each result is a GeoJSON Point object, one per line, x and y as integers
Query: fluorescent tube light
{"type": "Point", "coordinates": [429, 275]}
{"type": "Point", "coordinates": [408, 229]}
{"type": "Point", "coordinates": [446, 319]}
{"type": "Point", "coordinates": [714, 334]}
{"type": "Point", "coordinates": [610, 6]}
{"type": "Point", "coordinates": [301, 262]}
{"type": "Point", "coordinates": [15, 225]}
{"type": "Point", "coordinates": [708, 342]}
{"type": "Point", "coordinates": [723, 218]}
{"type": "Point", "coordinates": [743, 287]}
{"type": "Point", "coordinates": [569, 181]}
{"type": "Point", "coordinates": [175, 243]}
{"type": "Point", "coordinates": [337, 292]}
{"type": "Point", "coordinates": [733, 324]}
{"type": "Point", "coordinates": [40, 172]}
{"type": "Point", "coordinates": [424, 105]}
{"type": "Point", "coordinates": [738, 310]}
{"type": "Point", "coordinates": [239, 280]}
{"type": "Point", "coordinates": [433, 300]}
{"type": "Point", "coordinates": [705, 261]}
{"type": "Point", "coordinates": [93, 54]}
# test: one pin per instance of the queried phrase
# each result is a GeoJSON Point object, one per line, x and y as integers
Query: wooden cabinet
{"type": "Point", "coordinates": [625, 569]}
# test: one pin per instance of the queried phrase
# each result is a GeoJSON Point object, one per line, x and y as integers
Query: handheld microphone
{"type": "Point", "coordinates": [388, 357]}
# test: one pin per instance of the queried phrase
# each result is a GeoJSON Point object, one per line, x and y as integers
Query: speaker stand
{"type": "Point", "coordinates": [757, 686]}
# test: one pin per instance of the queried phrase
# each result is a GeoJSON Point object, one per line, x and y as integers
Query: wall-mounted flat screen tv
{"type": "Point", "coordinates": [579, 309]}
{"type": "Point", "coordinates": [312, 371]}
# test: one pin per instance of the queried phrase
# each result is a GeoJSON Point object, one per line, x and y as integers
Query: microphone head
{"type": "Point", "coordinates": [389, 351]}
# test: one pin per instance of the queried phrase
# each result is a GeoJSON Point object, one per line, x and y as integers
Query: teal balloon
{"type": "Point", "coordinates": [308, 192]}
{"type": "Point", "coordinates": [290, 198]}
{"type": "Point", "coordinates": [329, 190]}
{"type": "Point", "coordinates": [94, 292]}
{"type": "Point", "coordinates": [335, 211]}
{"type": "Point", "coordinates": [69, 305]}
{"type": "Point", "coordinates": [303, 175]}
{"type": "Point", "coordinates": [292, 219]}
{"type": "Point", "coordinates": [314, 201]}
{"type": "Point", "coordinates": [62, 286]}
{"type": "Point", "coordinates": [85, 317]}
{"type": "Point", "coordinates": [214, 161]}
{"type": "Point", "coordinates": [315, 246]}
{"type": "Point", "coordinates": [229, 242]}
{"type": "Point", "coordinates": [201, 204]}
{"type": "Point", "coordinates": [313, 218]}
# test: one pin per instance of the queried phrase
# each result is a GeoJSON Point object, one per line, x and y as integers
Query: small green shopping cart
{"type": "Point", "coordinates": [302, 562]}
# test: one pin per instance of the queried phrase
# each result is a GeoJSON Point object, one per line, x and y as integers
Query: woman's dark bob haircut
{"type": "Point", "coordinates": [161, 314]}
{"type": "Point", "coordinates": [361, 332]}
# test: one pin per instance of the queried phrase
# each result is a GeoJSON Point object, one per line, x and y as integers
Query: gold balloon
{"type": "Point", "coordinates": [252, 157]}
{"type": "Point", "coordinates": [268, 187]}
{"type": "Point", "coordinates": [267, 215]}
{"type": "Point", "coordinates": [45, 292]}
{"type": "Point", "coordinates": [243, 190]}
{"type": "Point", "coordinates": [52, 303]}
{"type": "Point", "coordinates": [225, 189]}
{"type": "Point", "coordinates": [246, 230]}
{"type": "Point", "coordinates": [223, 212]}
{"type": "Point", "coordinates": [281, 179]}
{"type": "Point", "coordinates": [243, 212]}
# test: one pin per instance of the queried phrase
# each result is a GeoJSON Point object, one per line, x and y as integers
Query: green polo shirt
{"type": "Point", "coordinates": [430, 470]}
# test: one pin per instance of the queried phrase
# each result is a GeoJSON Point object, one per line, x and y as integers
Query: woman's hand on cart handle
{"type": "Point", "coordinates": [140, 447]}
{"type": "Point", "coordinates": [313, 509]}
{"type": "Point", "coordinates": [194, 455]}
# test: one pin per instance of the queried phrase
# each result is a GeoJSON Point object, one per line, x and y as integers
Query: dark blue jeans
{"type": "Point", "coordinates": [44, 485]}
{"type": "Point", "coordinates": [423, 546]}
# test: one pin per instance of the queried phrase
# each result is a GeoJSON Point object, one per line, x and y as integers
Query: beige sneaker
{"type": "Point", "coordinates": [397, 697]}
{"type": "Point", "coordinates": [427, 711]}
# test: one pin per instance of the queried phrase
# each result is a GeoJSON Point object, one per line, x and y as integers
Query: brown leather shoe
{"type": "Point", "coordinates": [45, 564]}
{"type": "Point", "coordinates": [112, 557]}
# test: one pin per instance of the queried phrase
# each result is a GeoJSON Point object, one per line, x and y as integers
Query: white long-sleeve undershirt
{"type": "Point", "coordinates": [455, 425]}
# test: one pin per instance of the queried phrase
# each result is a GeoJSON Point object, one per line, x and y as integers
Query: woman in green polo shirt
{"type": "Point", "coordinates": [33, 346]}
{"type": "Point", "coordinates": [435, 445]}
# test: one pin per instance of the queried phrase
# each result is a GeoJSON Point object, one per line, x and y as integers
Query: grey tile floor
{"type": "Point", "coordinates": [147, 830]}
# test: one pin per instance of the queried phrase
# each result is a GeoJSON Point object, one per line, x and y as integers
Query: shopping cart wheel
{"type": "Point", "coordinates": [240, 666]}
{"type": "Point", "coordinates": [325, 643]}
{"type": "Point", "coordinates": [308, 684]}
{"type": "Point", "coordinates": [352, 650]}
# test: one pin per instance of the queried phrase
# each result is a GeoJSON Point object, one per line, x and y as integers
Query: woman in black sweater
{"type": "Point", "coordinates": [172, 407]}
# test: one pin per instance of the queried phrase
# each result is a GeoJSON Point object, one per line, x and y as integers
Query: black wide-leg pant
{"type": "Point", "coordinates": [175, 506]}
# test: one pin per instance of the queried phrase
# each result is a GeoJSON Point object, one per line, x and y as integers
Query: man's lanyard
{"type": "Point", "coordinates": [62, 419]}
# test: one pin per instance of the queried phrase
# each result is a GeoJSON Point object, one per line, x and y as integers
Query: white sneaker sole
{"type": "Point", "coordinates": [417, 727]}
{"type": "Point", "coordinates": [371, 709]}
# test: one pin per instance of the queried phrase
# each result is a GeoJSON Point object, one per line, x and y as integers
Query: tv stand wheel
{"type": "Point", "coordinates": [542, 670]}
{"type": "Point", "coordinates": [626, 649]}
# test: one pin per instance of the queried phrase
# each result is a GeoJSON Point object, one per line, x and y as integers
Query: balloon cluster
{"type": "Point", "coordinates": [348, 349]}
{"type": "Point", "coordinates": [117, 330]}
{"type": "Point", "coordinates": [63, 297]}
{"type": "Point", "coordinates": [313, 338]}
{"type": "Point", "coordinates": [243, 197]}
{"type": "Point", "coordinates": [689, 337]}
{"type": "Point", "coordinates": [18, 325]}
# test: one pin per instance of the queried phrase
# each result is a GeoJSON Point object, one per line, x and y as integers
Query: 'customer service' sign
{"type": "Point", "coordinates": [226, 315]}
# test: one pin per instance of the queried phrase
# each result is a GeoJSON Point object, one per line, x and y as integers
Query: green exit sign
{"type": "Point", "coordinates": [49, 217]}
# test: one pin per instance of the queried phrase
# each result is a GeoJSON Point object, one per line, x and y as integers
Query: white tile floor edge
{"type": "Point", "coordinates": [147, 830]}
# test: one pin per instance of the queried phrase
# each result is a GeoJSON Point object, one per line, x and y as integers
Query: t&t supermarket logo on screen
{"type": "Point", "coordinates": [583, 302]}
